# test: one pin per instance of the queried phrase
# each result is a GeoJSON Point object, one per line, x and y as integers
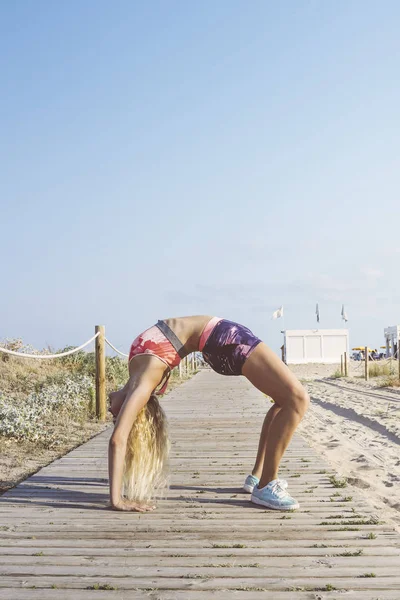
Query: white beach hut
{"type": "Point", "coordinates": [315, 345]}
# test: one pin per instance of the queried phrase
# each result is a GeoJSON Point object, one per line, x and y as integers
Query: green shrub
{"type": "Point", "coordinates": [30, 418]}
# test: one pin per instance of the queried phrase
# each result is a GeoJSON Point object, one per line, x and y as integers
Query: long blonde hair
{"type": "Point", "coordinates": [146, 459]}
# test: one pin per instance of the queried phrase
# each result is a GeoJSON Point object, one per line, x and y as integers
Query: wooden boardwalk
{"type": "Point", "coordinates": [206, 540]}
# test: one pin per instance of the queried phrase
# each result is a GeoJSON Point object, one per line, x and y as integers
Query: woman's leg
{"type": "Point", "coordinates": [258, 465]}
{"type": "Point", "coordinates": [272, 377]}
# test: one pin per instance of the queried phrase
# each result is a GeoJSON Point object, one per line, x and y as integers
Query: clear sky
{"type": "Point", "coordinates": [166, 158]}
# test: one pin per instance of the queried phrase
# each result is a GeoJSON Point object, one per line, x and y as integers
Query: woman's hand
{"type": "Point", "coordinates": [130, 506]}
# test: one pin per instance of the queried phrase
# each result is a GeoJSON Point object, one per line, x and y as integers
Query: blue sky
{"type": "Point", "coordinates": [167, 158]}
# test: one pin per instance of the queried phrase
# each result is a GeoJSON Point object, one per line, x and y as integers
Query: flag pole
{"type": "Point", "coordinates": [284, 331]}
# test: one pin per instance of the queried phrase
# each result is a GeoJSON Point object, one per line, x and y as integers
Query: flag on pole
{"type": "Point", "coordinates": [278, 313]}
{"type": "Point", "coordinates": [317, 312]}
{"type": "Point", "coordinates": [344, 314]}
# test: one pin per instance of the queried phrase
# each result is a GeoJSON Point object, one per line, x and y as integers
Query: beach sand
{"type": "Point", "coordinates": [355, 426]}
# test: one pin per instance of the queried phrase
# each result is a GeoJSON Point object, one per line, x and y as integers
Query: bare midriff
{"type": "Point", "coordinates": [188, 330]}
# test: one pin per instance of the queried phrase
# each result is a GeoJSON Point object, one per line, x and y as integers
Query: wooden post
{"type": "Point", "coordinates": [346, 365]}
{"type": "Point", "coordinates": [100, 373]}
{"type": "Point", "coordinates": [180, 370]}
{"type": "Point", "coordinates": [283, 352]}
{"type": "Point", "coordinates": [192, 361]}
{"type": "Point", "coordinates": [366, 363]}
{"type": "Point", "coordinates": [341, 365]}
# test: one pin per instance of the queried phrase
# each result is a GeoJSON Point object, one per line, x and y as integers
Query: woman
{"type": "Point", "coordinates": [138, 447]}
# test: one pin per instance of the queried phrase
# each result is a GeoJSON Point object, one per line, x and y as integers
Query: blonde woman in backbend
{"type": "Point", "coordinates": [139, 445]}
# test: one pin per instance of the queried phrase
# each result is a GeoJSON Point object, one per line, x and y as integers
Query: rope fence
{"type": "Point", "coordinates": [115, 349]}
{"type": "Point", "coordinates": [186, 366]}
{"type": "Point", "coordinates": [48, 356]}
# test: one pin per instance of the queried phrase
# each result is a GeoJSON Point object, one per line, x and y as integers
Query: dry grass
{"type": "Point", "coordinates": [391, 381]}
{"type": "Point", "coordinates": [337, 374]}
{"type": "Point", "coordinates": [19, 376]}
{"type": "Point", "coordinates": [379, 369]}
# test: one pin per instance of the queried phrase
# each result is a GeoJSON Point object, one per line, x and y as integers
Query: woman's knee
{"type": "Point", "coordinates": [301, 400]}
{"type": "Point", "coordinates": [297, 398]}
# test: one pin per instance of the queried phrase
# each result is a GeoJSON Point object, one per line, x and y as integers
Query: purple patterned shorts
{"type": "Point", "coordinates": [228, 346]}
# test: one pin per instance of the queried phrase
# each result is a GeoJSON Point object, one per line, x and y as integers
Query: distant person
{"type": "Point", "coordinates": [139, 444]}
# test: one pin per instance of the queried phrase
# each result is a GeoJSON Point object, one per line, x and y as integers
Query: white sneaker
{"type": "Point", "coordinates": [275, 496]}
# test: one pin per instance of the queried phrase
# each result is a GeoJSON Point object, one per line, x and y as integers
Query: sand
{"type": "Point", "coordinates": [355, 426]}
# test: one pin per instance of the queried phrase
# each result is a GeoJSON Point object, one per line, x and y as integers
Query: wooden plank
{"type": "Point", "coordinates": [166, 575]}
{"type": "Point", "coordinates": [86, 594]}
{"type": "Point", "coordinates": [187, 544]}
{"type": "Point", "coordinates": [65, 594]}
{"type": "Point", "coordinates": [189, 581]}
{"type": "Point", "coordinates": [232, 561]}
{"type": "Point", "coordinates": [144, 552]}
